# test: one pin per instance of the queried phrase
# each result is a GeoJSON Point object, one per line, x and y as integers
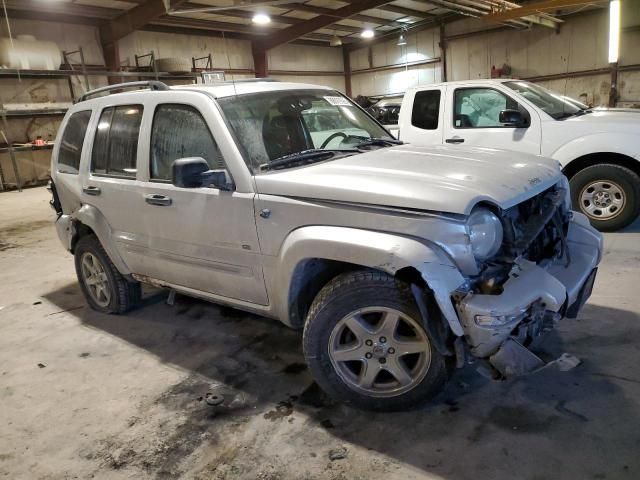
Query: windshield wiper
{"type": "Point", "coordinates": [382, 142]}
{"type": "Point", "coordinates": [579, 113]}
{"type": "Point", "coordinates": [303, 158]}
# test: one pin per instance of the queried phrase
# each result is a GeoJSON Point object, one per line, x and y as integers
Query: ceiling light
{"type": "Point", "coordinates": [367, 33]}
{"type": "Point", "coordinates": [261, 18]}
{"type": "Point", "coordinates": [402, 40]}
{"type": "Point", "coordinates": [336, 41]}
{"type": "Point", "coordinates": [614, 30]}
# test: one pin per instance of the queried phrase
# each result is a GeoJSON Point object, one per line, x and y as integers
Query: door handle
{"type": "Point", "coordinates": [155, 199]}
{"type": "Point", "coordinates": [91, 190]}
{"type": "Point", "coordinates": [455, 140]}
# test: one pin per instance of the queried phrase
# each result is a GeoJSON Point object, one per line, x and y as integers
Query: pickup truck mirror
{"type": "Point", "coordinates": [194, 172]}
{"type": "Point", "coordinates": [511, 118]}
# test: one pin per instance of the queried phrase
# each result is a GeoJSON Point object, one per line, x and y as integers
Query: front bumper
{"type": "Point", "coordinates": [534, 296]}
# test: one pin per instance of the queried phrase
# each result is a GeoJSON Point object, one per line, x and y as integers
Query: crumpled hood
{"type": "Point", "coordinates": [438, 178]}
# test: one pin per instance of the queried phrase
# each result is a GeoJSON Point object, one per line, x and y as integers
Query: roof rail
{"type": "Point", "coordinates": [150, 84]}
{"type": "Point", "coordinates": [242, 80]}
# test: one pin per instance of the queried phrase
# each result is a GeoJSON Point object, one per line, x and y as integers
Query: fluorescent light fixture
{"type": "Point", "coordinates": [402, 40]}
{"type": "Point", "coordinates": [367, 33]}
{"type": "Point", "coordinates": [614, 30]}
{"type": "Point", "coordinates": [405, 20]}
{"type": "Point", "coordinates": [261, 19]}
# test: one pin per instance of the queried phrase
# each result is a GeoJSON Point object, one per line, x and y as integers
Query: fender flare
{"type": "Point", "coordinates": [381, 251]}
{"type": "Point", "coordinates": [620, 143]}
{"type": "Point", "coordinates": [94, 219]}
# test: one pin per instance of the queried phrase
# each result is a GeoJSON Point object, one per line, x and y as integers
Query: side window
{"type": "Point", "coordinates": [71, 143]}
{"type": "Point", "coordinates": [426, 109]}
{"type": "Point", "coordinates": [115, 147]}
{"type": "Point", "coordinates": [179, 131]}
{"type": "Point", "coordinates": [480, 107]}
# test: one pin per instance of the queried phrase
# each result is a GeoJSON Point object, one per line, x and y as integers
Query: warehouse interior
{"type": "Point", "coordinates": [90, 395]}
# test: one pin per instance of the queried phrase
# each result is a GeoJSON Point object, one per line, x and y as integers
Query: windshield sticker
{"type": "Point", "coordinates": [338, 101]}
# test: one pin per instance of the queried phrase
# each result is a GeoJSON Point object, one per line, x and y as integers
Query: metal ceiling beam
{"type": "Point", "coordinates": [303, 7]}
{"type": "Point", "coordinates": [537, 8]}
{"type": "Point", "coordinates": [74, 9]}
{"type": "Point", "coordinates": [203, 32]}
{"type": "Point", "coordinates": [281, 19]}
{"type": "Point", "coordinates": [52, 17]}
{"type": "Point", "coordinates": [134, 19]}
{"type": "Point", "coordinates": [262, 32]}
{"type": "Point", "coordinates": [321, 21]}
{"type": "Point", "coordinates": [407, 12]}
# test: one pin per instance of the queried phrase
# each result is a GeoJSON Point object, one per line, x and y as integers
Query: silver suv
{"type": "Point", "coordinates": [399, 262]}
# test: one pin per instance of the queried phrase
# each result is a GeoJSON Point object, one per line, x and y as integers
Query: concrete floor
{"type": "Point", "coordinates": [85, 395]}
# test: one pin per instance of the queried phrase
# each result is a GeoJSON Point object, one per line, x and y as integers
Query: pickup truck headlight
{"type": "Point", "coordinates": [485, 233]}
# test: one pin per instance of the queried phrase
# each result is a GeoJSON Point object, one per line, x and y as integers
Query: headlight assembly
{"type": "Point", "coordinates": [485, 233]}
{"type": "Point", "coordinates": [564, 183]}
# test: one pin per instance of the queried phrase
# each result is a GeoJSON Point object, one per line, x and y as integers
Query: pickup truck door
{"type": "Point", "coordinates": [471, 118]}
{"type": "Point", "coordinates": [200, 238]}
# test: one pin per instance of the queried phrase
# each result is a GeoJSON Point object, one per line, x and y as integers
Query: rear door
{"type": "Point", "coordinates": [472, 119]}
{"type": "Point", "coordinates": [421, 117]}
{"type": "Point", "coordinates": [200, 238]}
{"type": "Point", "coordinates": [110, 182]}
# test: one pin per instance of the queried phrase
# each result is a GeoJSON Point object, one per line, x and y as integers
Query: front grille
{"type": "Point", "coordinates": [536, 229]}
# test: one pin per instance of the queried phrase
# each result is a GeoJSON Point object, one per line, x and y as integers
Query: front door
{"type": "Point", "coordinates": [201, 238]}
{"type": "Point", "coordinates": [472, 119]}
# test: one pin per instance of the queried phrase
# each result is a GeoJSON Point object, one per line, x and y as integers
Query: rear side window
{"type": "Point", "coordinates": [115, 146]}
{"type": "Point", "coordinates": [426, 110]}
{"type": "Point", "coordinates": [71, 143]}
{"type": "Point", "coordinates": [179, 131]}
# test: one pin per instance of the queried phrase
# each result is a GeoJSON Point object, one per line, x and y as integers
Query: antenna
{"type": "Point", "coordinates": [226, 51]}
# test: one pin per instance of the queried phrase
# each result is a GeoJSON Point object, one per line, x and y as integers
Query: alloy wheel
{"type": "Point", "coordinates": [380, 351]}
{"type": "Point", "coordinates": [96, 279]}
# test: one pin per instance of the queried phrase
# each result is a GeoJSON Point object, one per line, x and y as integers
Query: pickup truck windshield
{"type": "Point", "coordinates": [551, 103]}
{"type": "Point", "coordinates": [272, 125]}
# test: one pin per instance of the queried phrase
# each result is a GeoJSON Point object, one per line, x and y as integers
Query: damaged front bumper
{"type": "Point", "coordinates": [532, 299]}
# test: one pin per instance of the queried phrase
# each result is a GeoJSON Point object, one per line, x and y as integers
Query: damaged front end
{"type": "Point", "coordinates": [544, 271]}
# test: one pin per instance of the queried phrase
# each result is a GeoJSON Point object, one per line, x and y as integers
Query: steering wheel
{"type": "Point", "coordinates": [332, 136]}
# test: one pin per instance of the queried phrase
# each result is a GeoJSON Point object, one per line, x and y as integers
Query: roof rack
{"type": "Point", "coordinates": [150, 84]}
{"type": "Point", "coordinates": [242, 80]}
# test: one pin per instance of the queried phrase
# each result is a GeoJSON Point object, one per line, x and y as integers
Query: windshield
{"type": "Point", "coordinates": [554, 104]}
{"type": "Point", "coordinates": [272, 125]}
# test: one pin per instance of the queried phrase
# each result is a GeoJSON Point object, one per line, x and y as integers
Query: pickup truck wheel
{"type": "Point", "coordinates": [104, 287]}
{"type": "Point", "coordinates": [365, 344]}
{"type": "Point", "coordinates": [608, 194]}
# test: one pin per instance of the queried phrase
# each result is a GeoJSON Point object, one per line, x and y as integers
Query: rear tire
{"type": "Point", "coordinates": [103, 286]}
{"type": "Point", "coordinates": [372, 317]}
{"type": "Point", "coordinates": [608, 194]}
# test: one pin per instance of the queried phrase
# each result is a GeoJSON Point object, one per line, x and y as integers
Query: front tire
{"type": "Point", "coordinates": [366, 345]}
{"type": "Point", "coordinates": [103, 286]}
{"type": "Point", "coordinates": [608, 194]}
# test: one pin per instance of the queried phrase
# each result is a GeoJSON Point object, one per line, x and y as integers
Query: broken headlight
{"type": "Point", "coordinates": [485, 233]}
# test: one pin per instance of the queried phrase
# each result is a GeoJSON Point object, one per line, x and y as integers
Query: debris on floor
{"type": "Point", "coordinates": [337, 453]}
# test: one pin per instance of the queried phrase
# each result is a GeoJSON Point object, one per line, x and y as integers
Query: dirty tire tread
{"type": "Point", "coordinates": [391, 292]}
{"type": "Point", "coordinates": [125, 294]}
{"type": "Point", "coordinates": [623, 176]}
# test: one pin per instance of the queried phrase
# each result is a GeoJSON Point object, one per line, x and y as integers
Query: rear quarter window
{"type": "Point", "coordinates": [426, 110]}
{"type": "Point", "coordinates": [72, 140]}
{"type": "Point", "coordinates": [115, 147]}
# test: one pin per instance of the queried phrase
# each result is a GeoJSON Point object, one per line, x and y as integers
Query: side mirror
{"type": "Point", "coordinates": [194, 172]}
{"type": "Point", "coordinates": [511, 118]}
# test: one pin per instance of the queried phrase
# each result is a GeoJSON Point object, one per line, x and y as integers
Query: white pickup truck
{"type": "Point", "coordinates": [599, 149]}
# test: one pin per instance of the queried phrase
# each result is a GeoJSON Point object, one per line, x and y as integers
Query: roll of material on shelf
{"type": "Point", "coordinates": [27, 53]}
